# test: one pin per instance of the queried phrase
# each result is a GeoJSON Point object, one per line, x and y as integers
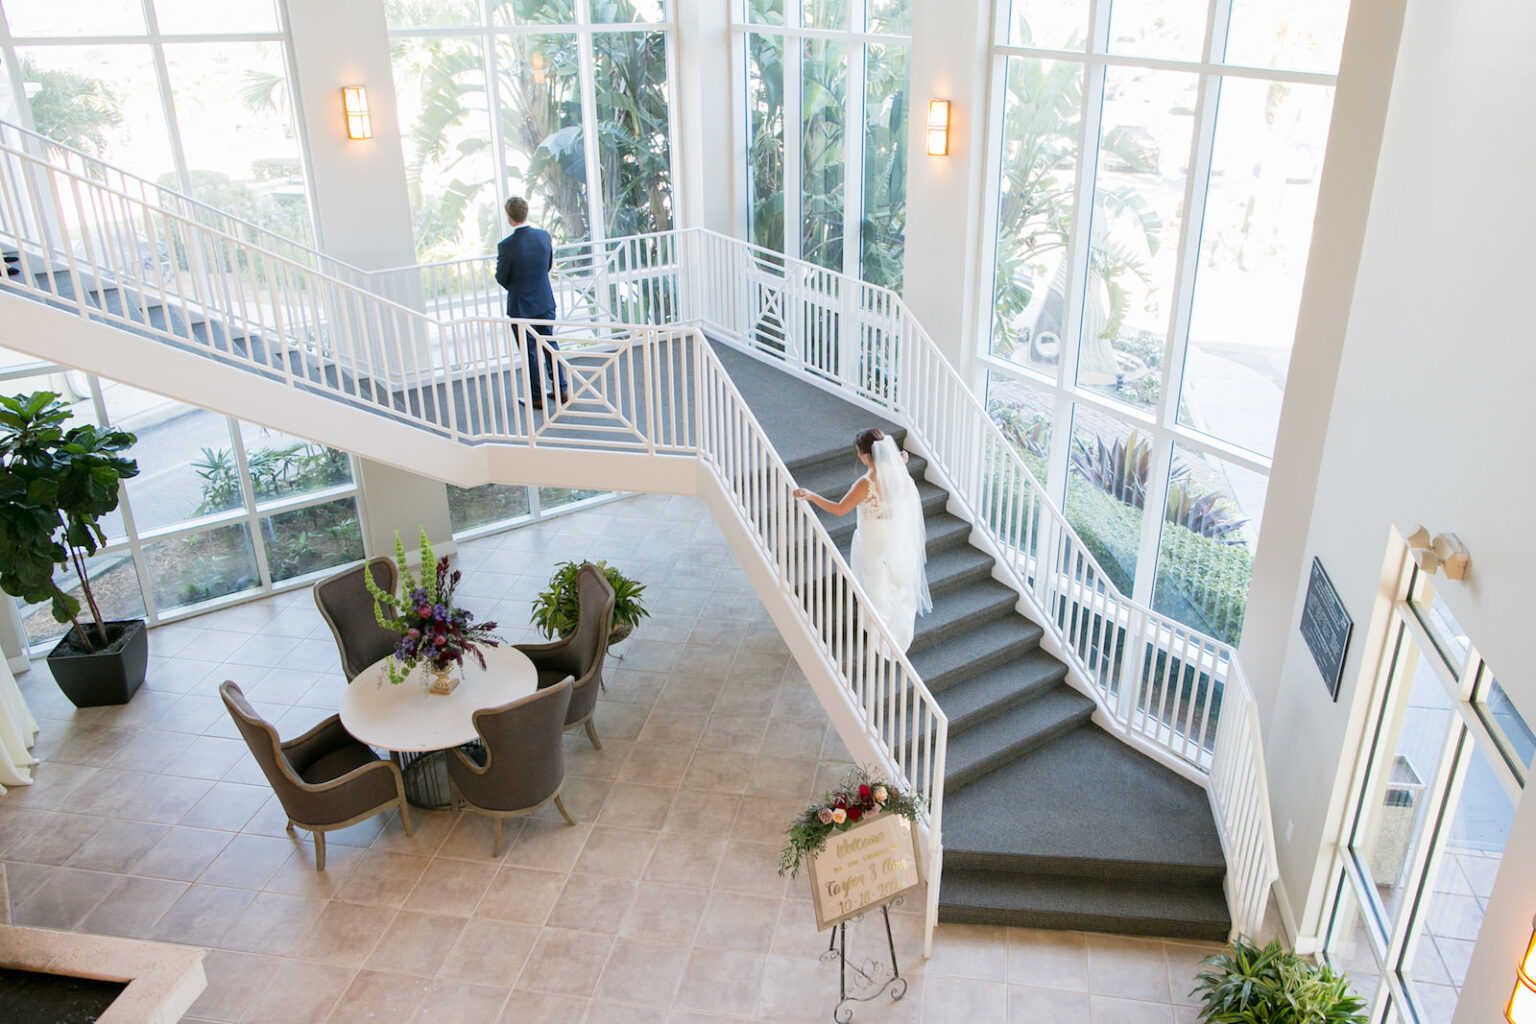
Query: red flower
{"type": "Point", "coordinates": [854, 814]}
{"type": "Point", "coordinates": [839, 801]}
{"type": "Point", "coordinates": [863, 793]}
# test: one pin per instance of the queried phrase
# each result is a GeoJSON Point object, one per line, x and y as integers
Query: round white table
{"type": "Point", "coordinates": [406, 720]}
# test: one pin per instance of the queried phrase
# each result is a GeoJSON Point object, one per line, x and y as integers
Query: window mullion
{"type": "Point", "coordinates": [791, 51]}
{"type": "Point", "coordinates": [857, 56]}
{"type": "Point", "coordinates": [252, 517]}
{"type": "Point", "coordinates": [591, 147]}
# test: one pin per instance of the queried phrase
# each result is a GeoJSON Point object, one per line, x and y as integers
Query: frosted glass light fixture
{"type": "Point", "coordinates": [354, 100]}
{"type": "Point", "coordinates": [938, 127]}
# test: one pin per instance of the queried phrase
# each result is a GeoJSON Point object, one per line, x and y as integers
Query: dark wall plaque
{"type": "Point", "coordinates": [1326, 626]}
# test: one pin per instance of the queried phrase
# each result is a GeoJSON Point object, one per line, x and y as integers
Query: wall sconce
{"type": "Point", "coordinates": [938, 127]}
{"type": "Point", "coordinates": [1442, 551]}
{"type": "Point", "coordinates": [354, 99]}
{"type": "Point", "coordinates": [1522, 1003]}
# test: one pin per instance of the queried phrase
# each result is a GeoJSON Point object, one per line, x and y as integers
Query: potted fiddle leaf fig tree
{"type": "Point", "coordinates": [56, 482]}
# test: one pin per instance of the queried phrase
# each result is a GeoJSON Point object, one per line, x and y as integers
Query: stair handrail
{"type": "Point", "coordinates": [900, 718]}
{"type": "Point", "coordinates": [95, 168]}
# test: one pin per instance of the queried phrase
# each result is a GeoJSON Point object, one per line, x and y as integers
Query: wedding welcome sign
{"type": "Point", "coordinates": [866, 866]}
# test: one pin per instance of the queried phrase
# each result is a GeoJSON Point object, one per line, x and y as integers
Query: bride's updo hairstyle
{"type": "Point", "coordinates": [865, 442]}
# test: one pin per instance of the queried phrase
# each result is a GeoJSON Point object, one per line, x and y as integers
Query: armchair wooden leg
{"type": "Point", "coordinates": [405, 818]}
{"type": "Point", "coordinates": [496, 840]}
{"type": "Point", "coordinates": [319, 850]}
{"type": "Point", "coordinates": [561, 805]}
{"type": "Point", "coordinates": [592, 734]}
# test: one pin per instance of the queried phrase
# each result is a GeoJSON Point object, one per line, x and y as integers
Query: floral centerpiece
{"type": "Point", "coordinates": [431, 629]}
{"type": "Point", "coordinates": [860, 795]}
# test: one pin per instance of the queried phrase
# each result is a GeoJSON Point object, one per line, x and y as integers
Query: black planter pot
{"type": "Point", "coordinates": [110, 675]}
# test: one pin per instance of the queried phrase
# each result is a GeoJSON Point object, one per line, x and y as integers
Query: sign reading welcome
{"type": "Point", "coordinates": [870, 864]}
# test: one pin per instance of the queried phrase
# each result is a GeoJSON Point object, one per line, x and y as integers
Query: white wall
{"type": "Point", "coordinates": [1430, 420]}
{"type": "Point", "coordinates": [951, 60]}
{"type": "Point", "coordinates": [362, 208]}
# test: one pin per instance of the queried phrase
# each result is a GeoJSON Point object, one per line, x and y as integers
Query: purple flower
{"type": "Point", "coordinates": [439, 612]}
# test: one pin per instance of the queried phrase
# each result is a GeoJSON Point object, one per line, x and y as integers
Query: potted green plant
{"type": "Point", "coordinates": [555, 610]}
{"type": "Point", "coordinates": [1247, 984]}
{"type": "Point", "coordinates": [55, 485]}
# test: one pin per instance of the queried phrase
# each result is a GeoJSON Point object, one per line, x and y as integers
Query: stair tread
{"type": "Point", "coordinates": [1015, 729]}
{"type": "Point", "coordinates": [985, 598]}
{"type": "Point", "coordinates": [1085, 796]}
{"type": "Point", "coordinates": [1016, 680]}
{"type": "Point", "coordinates": [1107, 902]}
{"type": "Point", "coordinates": [970, 646]}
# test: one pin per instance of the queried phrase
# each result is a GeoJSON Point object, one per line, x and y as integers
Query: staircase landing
{"type": "Point", "coordinates": [1049, 821]}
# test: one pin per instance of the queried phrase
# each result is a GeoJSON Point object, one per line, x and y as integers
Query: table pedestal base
{"type": "Point", "coordinates": [426, 778]}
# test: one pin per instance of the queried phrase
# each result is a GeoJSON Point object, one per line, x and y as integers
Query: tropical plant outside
{"type": "Point", "coordinates": [451, 156]}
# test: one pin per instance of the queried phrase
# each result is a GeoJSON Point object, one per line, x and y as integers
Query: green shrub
{"type": "Point", "coordinates": [1249, 985]}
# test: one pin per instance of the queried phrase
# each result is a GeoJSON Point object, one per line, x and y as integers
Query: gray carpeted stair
{"type": "Point", "coordinates": [1049, 822]}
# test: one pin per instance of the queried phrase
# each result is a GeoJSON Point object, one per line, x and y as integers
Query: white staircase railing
{"type": "Point", "coordinates": [1166, 688]}
{"type": "Point", "coordinates": [658, 391]}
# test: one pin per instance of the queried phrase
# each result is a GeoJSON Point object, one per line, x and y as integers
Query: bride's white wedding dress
{"type": "Point", "coordinates": [889, 555]}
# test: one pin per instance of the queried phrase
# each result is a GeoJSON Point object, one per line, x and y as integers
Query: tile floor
{"type": "Point", "coordinates": [662, 904]}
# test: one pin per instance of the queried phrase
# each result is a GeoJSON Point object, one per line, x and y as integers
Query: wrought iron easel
{"type": "Point", "coordinates": [868, 979]}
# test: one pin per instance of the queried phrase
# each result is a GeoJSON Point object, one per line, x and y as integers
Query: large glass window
{"type": "Point", "coordinates": [833, 190]}
{"type": "Point", "coordinates": [220, 509]}
{"type": "Point", "coordinates": [1435, 797]}
{"type": "Point", "coordinates": [212, 118]}
{"type": "Point", "coordinates": [1153, 199]}
{"type": "Point", "coordinates": [564, 102]}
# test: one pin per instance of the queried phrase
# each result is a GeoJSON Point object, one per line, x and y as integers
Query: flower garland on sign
{"type": "Point", "coordinates": [431, 629]}
{"type": "Point", "coordinates": [860, 795]}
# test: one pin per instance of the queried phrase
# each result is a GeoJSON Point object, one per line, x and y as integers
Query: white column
{"type": "Point", "coordinates": [394, 499]}
{"type": "Point", "coordinates": [708, 115]}
{"type": "Point", "coordinates": [950, 61]}
{"type": "Point", "coordinates": [362, 209]}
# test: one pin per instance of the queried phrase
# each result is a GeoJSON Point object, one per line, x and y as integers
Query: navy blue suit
{"type": "Point", "coordinates": [523, 262]}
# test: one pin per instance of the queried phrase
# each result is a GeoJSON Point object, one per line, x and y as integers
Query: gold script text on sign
{"type": "Point", "coordinates": [869, 864]}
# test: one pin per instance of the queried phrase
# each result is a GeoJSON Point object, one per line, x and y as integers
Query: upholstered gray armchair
{"type": "Point", "coordinates": [581, 654]}
{"type": "Point", "coordinates": [325, 779]}
{"type": "Point", "coordinates": [519, 764]}
{"type": "Point", "coordinates": [348, 609]}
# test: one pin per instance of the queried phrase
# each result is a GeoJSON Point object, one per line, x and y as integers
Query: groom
{"type": "Point", "coordinates": [523, 260]}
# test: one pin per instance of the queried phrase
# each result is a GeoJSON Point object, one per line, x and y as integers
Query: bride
{"type": "Point", "coordinates": [890, 544]}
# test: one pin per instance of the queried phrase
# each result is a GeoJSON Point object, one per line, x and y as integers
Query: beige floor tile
{"type": "Point", "coordinates": [272, 924]}
{"type": "Point", "coordinates": [721, 981]}
{"type": "Point", "coordinates": [1028, 1005]}
{"type": "Point", "coordinates": [565, 962]}
{"type": "Point", "coordinates": [740, 734]}
{"type": "Point", "coordinates": [1048, 959]}
{"type": "Point", "coordinates": [429, 829]}
{"type": "Point", "coordinates": [1127, 967]}
{"type": "Point", "coordinates": [182, 854]}
{"type": "Point", "coordinates": [202, 915]}
{"type": "Point", "coordinates": [1110, 1010]}
{"type": "Point", "coordinates": [798, 990]}
{"type": "Point", "coordinates": [117, 846]}
{"type": "Point", "coordinates": [384, 879]}
{"type": "Point", "coordinates": [737, 921]}
{"type": "Point", "coordinates": [656, 764]}
{"type": "Point", "coordinates": [592, 903]}
{"type": "Point", "coordinates": [783, 777]}
{"type": "Point", "coordinates": [344, 934]}
{"type": "Point", "coordinates": [948, 1000]}
{"type": "Point", "coordinates": [377, 996]}
{"type": "Point", "coordinates": [583, 798]}
{"type": "Point", "coordinates": [616, 852]}
{"type": "Point", "coordinates": [227, 805]}
{"type": "Point", "coordinates": [415, 943]}
{"type": "Point", "coordinates": [753, 868]}
{"type": "Point", "coordinates": [65, 898]}
{"type": "Point", "coordinates": [524, 1007]}
{"type": "Point", "coordinates": [548, 845]}
{"type": "Point", "coordinates": [521, 895]}
{"type": "Point", "coordinates": [298, 991]}
{"type": "Point", "coordinates": [642, 972]}
{"type": "Point", "coordinates": [457, 1002]}
{"type": "Point", "coordinates": [132, 908]}
{"type": "Point", "coordinates": [582, 760]}
{"type": "Point", "coordinates": [632, 805]}
{"type": "Point", "coordinates": [248, 862]}
{"type": "Point", "coordinates": [234, 982]}
{"type": "Point", "coordinates": [490, 952]}
{"type": "Point", "coordinates": [795, 935]}
{"type": "Point", "coordinates": [685, 859]}
{"type": "Point", "coordinates": [664, 913]}
{"type": "Point", "coordinates": [763, 819]}
{"type": "Point", "coordinates": [452, 886]}
{"type": "Point", "coordinates": [1184, 961]}
{"type": "Point", "coordinates": [717, 771]}
{"type": "Point", "coordinates": [298, 877]}
{"type": "Point", "coordinates": [54, 838]}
